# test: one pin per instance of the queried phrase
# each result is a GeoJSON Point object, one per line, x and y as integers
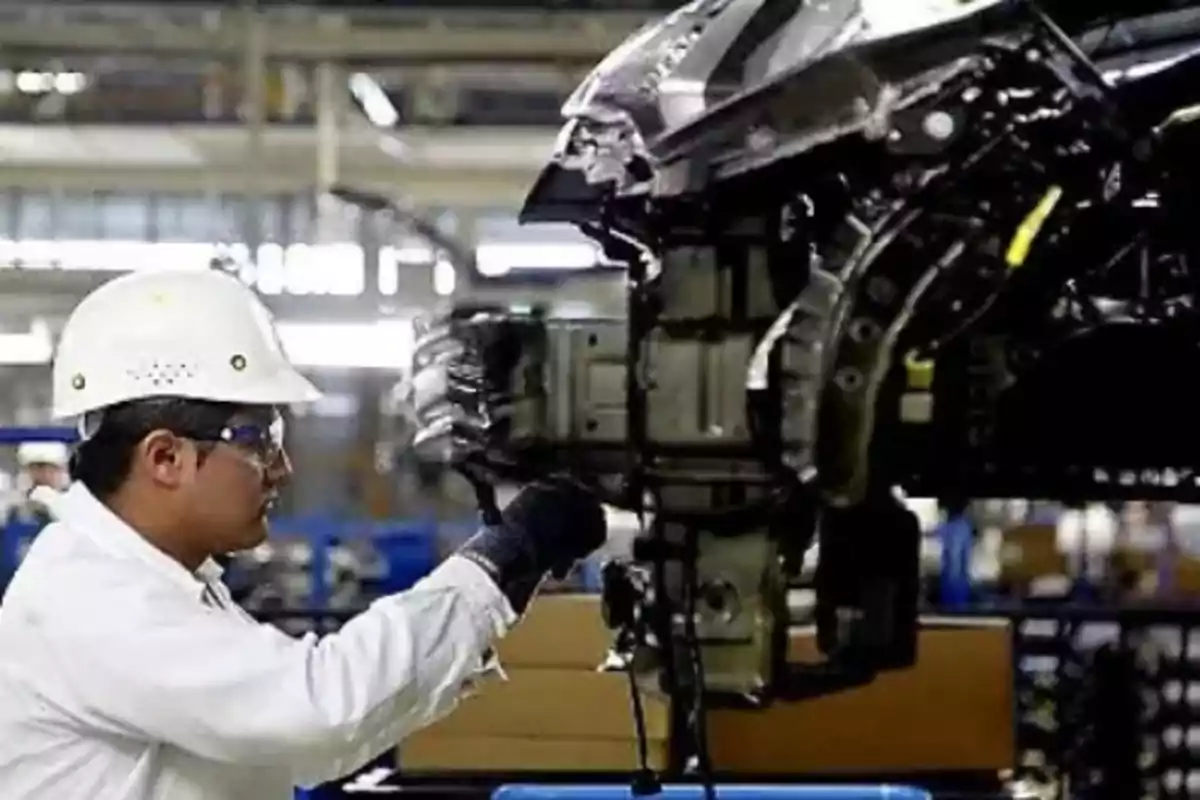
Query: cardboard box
{"type": "Point", "coordinates": [554, 703]}
{"type": "Point", "coordinates": [499, 754]}
{"type": "Point", "coordinates": [542, 720]}
{"type": "Point", "coordinates": [555, 712]}
{"type": "Point", "coordinates": [952, 711]}
{"type": "Point", "coordinates": [558, 631]}
{"type": "Point", "coordinates": [1029, 552]}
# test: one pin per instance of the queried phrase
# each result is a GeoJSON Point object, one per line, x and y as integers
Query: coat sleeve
{"type": "Point", "coordinates": [211, 684]}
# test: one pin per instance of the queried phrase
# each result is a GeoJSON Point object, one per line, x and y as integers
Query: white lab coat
{"type": "Point", "coordinates": [125, 677]}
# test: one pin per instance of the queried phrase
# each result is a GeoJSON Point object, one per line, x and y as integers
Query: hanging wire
{"type": "Point", "coordinates": [645, 780]}
{"type": "Point", "coordinates": [699, 711]}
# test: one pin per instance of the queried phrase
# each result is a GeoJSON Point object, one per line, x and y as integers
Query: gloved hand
{"type": "Point", "coordinates": [547, 528]}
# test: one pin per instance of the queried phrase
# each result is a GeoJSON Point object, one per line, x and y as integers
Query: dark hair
{"type": "Point", "coordinates": [102, 461]}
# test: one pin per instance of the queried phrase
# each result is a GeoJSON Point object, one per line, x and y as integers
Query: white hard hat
{"type": "Point", "coordinates": [177, 333]}
{"type": "Point", "coordinates": [55, 453]}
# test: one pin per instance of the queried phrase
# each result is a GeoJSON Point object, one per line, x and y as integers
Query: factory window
{"type": "Point", "coordinates": [8, 207]}
{"type": "Point", "coordinates": [230, 226]}
{"type": "Point", "coordinates": [126, 217]}
{"type": "Point", "coordinates": [35, 217]}
{"type": "Point", "coordinates": [227, 218]}
{"type": "Point", "coordinates": [447, 221]}
{"type": "Point", "coordinates": [78, 216]}
{"type": "Point", "coordinates": [302, 218]}
{"type": "Point", "coordinates": [271, 216]}
{"type": "Point", "coordinates": [185, 218]}
{"type": "Point", "coordinates": [281, 226]}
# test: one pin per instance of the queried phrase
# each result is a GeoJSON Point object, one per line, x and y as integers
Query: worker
{"type": "Point", "coordinates": [125, 669]}
{"type": "Point", "coordinates": [42, 464]}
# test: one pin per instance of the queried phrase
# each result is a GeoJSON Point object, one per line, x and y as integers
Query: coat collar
{"type": "Point", "coordinates": [79, 510]}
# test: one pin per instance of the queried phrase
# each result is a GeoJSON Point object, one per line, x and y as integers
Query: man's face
{"type": "Point", "coordinates": [51, 475]}
{"type": "Point", "coordinates": [238, 482]}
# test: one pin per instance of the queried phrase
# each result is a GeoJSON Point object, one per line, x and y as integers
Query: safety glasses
{"type": "Point", "coordinates": [260, 444]}
{"type": "Point", "coordinates": [263, 442]}
{"type": "Point", "coordinates": [260, 441]}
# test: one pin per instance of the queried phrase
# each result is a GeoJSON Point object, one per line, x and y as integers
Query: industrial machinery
{"type": "Point", "coordinates": [944, 256]}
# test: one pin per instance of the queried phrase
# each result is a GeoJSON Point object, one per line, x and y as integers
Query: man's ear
{"type": "Point", "coordinates": [163, 457]}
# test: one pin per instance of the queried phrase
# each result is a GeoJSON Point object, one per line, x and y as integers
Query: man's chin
{"type": "Point", "coordinates": [251, 538]}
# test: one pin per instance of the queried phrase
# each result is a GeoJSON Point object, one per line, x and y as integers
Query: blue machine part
{"type": "Point", "coordinates": [408, 548]}
{"type": "Point", "coordinates": [957, 537]}
{"type": "Point", "coordinates": [724, 792]}
{"type": "Point", "coordinates": [13, 538]}
{"type": "Point", "coordinates": [19, 435]}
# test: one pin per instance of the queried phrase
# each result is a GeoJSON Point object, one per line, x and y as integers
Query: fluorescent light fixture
{"type": "Point", "coordinates": [324, 269]}
{"type": "Point", "coordinates": [70, 82]}
{"type": "Point", "coordinates": [34, 82]}
{"type": "Point", "coordinates": [445, 278]}
{"type": "Point", "coordinates": [374, 101]}
{"type": "Point", "coordinates": [494, 259]}
{"type": "Point", "coordinates": [1147, 68]}
{"type": "Point", "coordinates": [382, 344]}
{"type": "Point", "coordinates": [105, 255]}
{"type": "Point", "coordinates": [33, 348]}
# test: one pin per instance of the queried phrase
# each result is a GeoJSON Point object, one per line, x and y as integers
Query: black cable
{"type": "Point", "coordinates": [645, 781]}
{"type": "Point", "coordinates": [639, 718]}
{"type": "Point", "coordinates": [699, 713]}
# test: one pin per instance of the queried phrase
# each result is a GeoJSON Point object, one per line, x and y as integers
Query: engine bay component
{"type": "Point", "coordinates": [866, 257]}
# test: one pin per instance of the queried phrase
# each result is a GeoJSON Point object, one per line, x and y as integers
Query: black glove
{"type": "Point", "coordinates": [547, 528]}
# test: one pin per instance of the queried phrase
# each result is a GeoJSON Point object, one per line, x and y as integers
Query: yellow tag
{"type": "Point", "coordinates": [919, 371]}
{"type": "Point", "coordinates": [1030, 227]}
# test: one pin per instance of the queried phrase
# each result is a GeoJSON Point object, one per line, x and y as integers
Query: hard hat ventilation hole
{"type": "Point", "coordinates": [78, 382]}
{"type": "Point", "coordinates": [159, 374]}
{"type": "Point", "coordinates": [238, 362]}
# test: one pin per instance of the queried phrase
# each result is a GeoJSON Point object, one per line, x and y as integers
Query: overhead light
{"type": "Point", "coordinates": [384, 344]}
{"type": "Point", "coordinates": [69, 82]}
{"type": "Point", "coordinates": [1144, 69]}
{"type": "Point", "coordinates": [494, 259]}
{"type": "Point", "coordinates": [374, 101]}
{"type": "Point", "coordinates": [36, 82]}
{"type": "Point", "coordinates": [445, 277]}
{"type": "Point", "coordinates": [33, 348]}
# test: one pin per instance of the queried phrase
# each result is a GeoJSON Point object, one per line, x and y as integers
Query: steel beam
{"type": "Point", "coordinates": [442, 37]}
{"type": "Point", "coordinates": [52, 293]}
{"type": "Point", "coordinates": [423, 188]}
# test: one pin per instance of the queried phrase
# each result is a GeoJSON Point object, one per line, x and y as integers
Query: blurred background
{"type": "Point", "coordinates": [142, 136]}
{"type": "Point", "coordinates": [211, 135]}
